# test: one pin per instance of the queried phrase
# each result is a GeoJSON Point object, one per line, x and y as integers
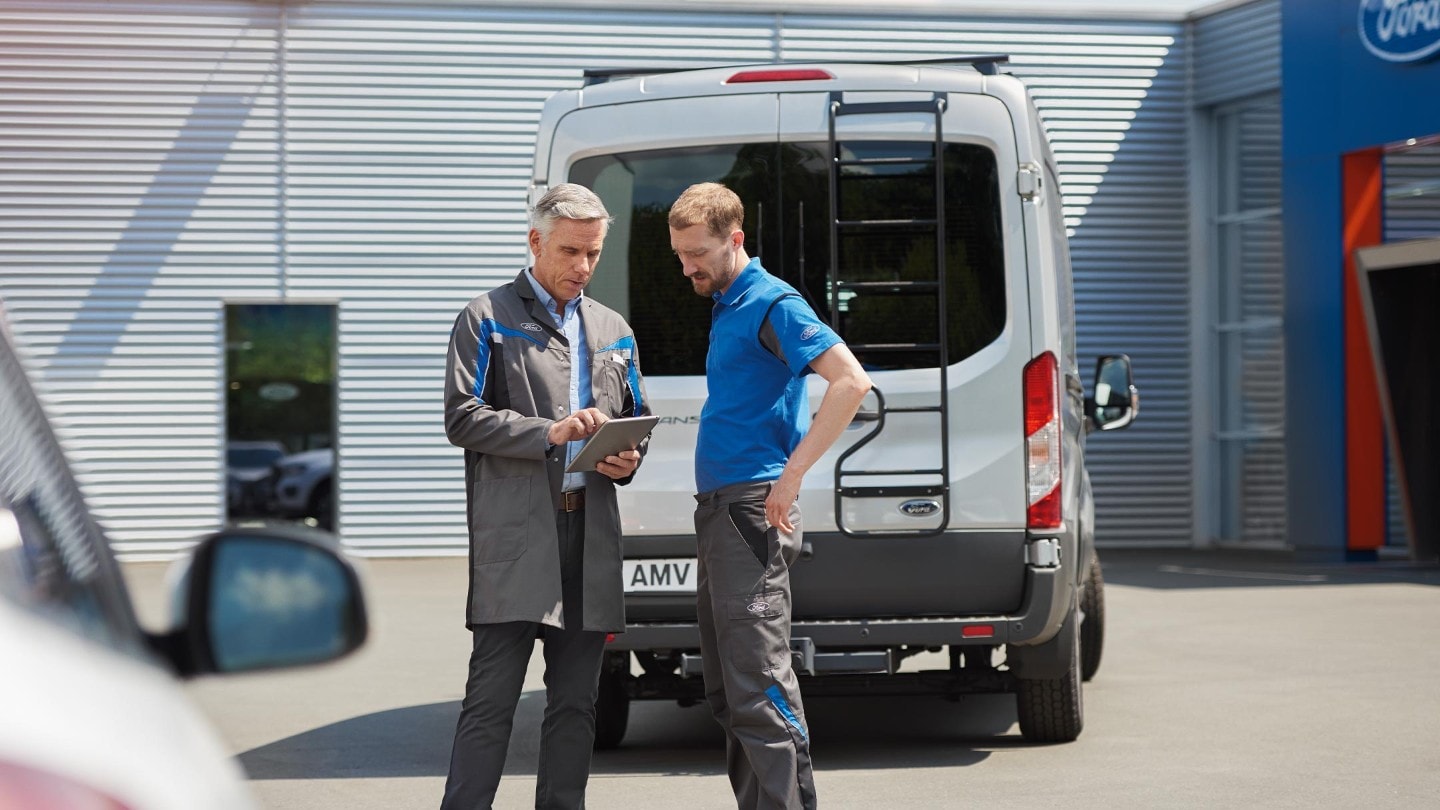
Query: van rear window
{"type": "Point", "coordinates": [886, 237]}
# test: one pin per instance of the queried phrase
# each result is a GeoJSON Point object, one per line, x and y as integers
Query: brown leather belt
{"type": "Point", "coordinates": [572, 501]}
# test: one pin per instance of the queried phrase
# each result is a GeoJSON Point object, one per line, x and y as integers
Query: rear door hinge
{"type": "Point", "coordinates": [1028, 180]}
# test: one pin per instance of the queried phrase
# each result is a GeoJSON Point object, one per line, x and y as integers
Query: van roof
{"type": "Point", "coordinates": [968, 74]}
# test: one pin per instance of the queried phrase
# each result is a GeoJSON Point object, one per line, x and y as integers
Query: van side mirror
{"type": "Point", "coordinates": [253, 599]}
{"type": "Point", "coordinates": [1116, 402]}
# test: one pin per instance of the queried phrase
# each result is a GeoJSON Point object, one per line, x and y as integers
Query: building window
{"type": "Point", "coordinates": [1249, 297]}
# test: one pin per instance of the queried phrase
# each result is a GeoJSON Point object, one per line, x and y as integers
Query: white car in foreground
{"type": "Point", "coordinates": [92, 716]}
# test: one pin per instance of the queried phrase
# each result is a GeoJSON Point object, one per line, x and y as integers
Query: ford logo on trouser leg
{"type": "Point", "coordinates": [1400, 30]}
{"type": "Point", "coordinates": [921, 507]}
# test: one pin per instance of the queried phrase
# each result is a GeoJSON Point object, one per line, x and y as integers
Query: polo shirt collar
{"type": "Point", "coordinates": [742, 284]}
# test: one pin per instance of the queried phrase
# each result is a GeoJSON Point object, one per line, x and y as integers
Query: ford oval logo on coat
{"type": "Point", "coordinates": [1400, 30]}
{"type": "Point", "coordinates": [922, 507]}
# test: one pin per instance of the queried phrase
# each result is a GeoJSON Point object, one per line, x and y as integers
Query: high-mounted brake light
{"type": "Point", "coordinates": [780, 75]}
{"type": "Point", "coordinates": [1042, 443]}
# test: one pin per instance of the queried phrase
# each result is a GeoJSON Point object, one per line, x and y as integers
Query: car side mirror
{"type": "Point", "coordinates": [1116, 402]}
{"type": "Point", "coordinates": [253, 599]}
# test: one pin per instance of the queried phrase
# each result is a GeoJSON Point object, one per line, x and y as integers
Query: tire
{"type": "Point", "coordinates": [1051, 710]}
{"type": "Point", "coordinates": [1092, 622]}
{"type": "Point", "coordinates": [612, 705]}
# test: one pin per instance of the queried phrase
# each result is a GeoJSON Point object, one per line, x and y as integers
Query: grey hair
{"type": "Point", "coordinates": [567, 201]}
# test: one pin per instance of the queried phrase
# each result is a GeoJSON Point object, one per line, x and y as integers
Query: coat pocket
{"type": "Point", "coordinates": [502, 517]}
{"type": "Point", "coordinates": [609, 382]}
{"type": "Point", "coordinates": [757, 631]}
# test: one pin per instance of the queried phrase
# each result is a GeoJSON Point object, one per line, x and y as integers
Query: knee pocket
{"type": "Point", "coordinates": [756, 631]}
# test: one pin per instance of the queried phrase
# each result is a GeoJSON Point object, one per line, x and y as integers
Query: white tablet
{"type": "Point", "coordinates": [612, 437]}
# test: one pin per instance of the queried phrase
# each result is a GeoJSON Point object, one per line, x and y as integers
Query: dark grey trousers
{"type": "Point", "coordinates": [743, 601]}
{"type": "Point", "coordinates": [498, 659]}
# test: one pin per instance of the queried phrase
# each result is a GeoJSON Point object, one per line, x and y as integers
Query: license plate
{"type": "Point", "coordinates": [660, 576]}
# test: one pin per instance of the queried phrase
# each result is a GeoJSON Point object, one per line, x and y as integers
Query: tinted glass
{"type": "Point", "coordinates": [251, 458]}
{"type": "Point", "coordinates": [279, 400]}
{"type": "Point", "coordinates": [887, 233]}
{"type": "Point", "coordinates": [278, 603]}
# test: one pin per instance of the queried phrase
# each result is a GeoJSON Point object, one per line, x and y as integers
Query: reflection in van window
{"type": "Point", "coordinates": [886, 205]}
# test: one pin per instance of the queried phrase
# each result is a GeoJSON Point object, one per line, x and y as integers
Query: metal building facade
{"type": "Point", "coordinates": [164, 158]}
{"type": "Point", "coordinates": [1239, 277]}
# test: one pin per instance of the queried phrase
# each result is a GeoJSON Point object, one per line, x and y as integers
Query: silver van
{"type": "Point", "coordinates": [918, 209]}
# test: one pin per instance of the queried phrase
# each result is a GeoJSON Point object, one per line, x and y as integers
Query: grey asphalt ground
{"type": "Point", "coordinates": [1228, 680]}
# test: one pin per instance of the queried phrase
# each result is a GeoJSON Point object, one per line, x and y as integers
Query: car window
{"type": "Point", "coordinates": [786, 190]}
{"type": "Point", "coordinates": [251, 457]}
{"type": "Point", "coordinates": [53, 559]}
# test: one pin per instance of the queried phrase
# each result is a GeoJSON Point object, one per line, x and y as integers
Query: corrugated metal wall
{"type": "Point", "coordinates": [138, 186]}
{"type": "Point", "coordinates": [154, 179]}
{"type": "Point", "coordinates": [1412, 211]}
{"type": "Point", "coordinates": [1237, 53]}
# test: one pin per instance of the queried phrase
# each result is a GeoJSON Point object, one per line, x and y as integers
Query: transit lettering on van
{"type": "Point", "coordinates": [679, 420]}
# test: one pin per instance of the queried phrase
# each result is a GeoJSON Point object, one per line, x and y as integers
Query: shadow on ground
{"type": "Point", "coordinates": [1182, 569]}
{"type": "Point", "coordinates": [847, 734]}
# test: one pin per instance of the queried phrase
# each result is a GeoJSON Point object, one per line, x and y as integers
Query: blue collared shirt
{"type": "Point", "coordinates": [757, 408]}
{"type": "Point", "coordinates": [573, 328]}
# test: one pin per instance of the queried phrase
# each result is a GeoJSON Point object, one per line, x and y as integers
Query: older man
{"type": "Point", "coordinates": [534, 368]}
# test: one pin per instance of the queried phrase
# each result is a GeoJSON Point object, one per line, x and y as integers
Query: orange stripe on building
{"type": "Point", "coordinates": [1363, 184]}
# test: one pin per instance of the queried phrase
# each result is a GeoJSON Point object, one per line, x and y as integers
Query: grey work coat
{"type": "Point", "coordinates": [507, 380]}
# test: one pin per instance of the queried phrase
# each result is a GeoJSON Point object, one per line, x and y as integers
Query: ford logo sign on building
{"type": "Point", "coordinates": [1400, 30]}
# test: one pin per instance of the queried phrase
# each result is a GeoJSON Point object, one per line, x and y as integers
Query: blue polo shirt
{"type": "Point", "coordinates": [756, 409]}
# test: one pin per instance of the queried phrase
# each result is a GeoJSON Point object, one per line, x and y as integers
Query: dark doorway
{"type": "Point", "coordinates": [280, 413]}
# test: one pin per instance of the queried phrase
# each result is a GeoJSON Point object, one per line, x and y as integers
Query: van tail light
{"type": "Point", "coordinates": [21, 787]}
{"type": "Point", "coordinates": [780, 75]}
{"type": "Point", "coordinates": [1042, 443]}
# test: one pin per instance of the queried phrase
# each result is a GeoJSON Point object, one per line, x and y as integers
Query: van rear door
{"type": "Point", "coordinates": [883, 290]}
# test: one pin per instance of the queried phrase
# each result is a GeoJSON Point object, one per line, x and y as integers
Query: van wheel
{"type": "Point", "coordinates": [612, 705]}
{"type": "Point", "coordinates": [1092, 621]}
{"type": "Point", "coordinates": [1051, 710]}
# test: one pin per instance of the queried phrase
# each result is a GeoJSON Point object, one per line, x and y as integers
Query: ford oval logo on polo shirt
{"type": "Point", "coordinates": [920, 507]}
{"type": "Point", "coordinates": [1400, 30]}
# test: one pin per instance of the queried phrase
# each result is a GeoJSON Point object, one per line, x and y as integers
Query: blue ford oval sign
{"type": "Point", "coordinates": [919, 508]}
{"type": "Point", "coordinates": [1400, 30]}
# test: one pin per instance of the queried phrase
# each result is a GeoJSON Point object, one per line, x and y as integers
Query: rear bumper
{"type": "Point", "coordinates": [1038, 619]}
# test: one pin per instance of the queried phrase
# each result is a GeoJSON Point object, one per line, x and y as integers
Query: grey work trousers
{"type": "Point", "coordinates": [743, 601]}
{"type": "Point", "coordinates": [498, 660]}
